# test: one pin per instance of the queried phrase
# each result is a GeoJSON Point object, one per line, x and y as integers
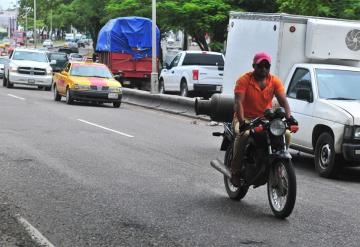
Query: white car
{"type": "Point", "coordinates": [2, 62]}
{"type": "Point", "coordinates": [28, 67]}
{"type": "Point", "coordinates": [48, 43]}
{"type": "Point", "coordinates": [75, 57]}
{"type": "Point", "coordinates": [193, 71]}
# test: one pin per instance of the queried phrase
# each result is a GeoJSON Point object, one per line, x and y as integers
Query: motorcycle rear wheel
{"type": "Point", "coordinates": [234, 193]}
{"type": "Point", "coordinates": [281, 188]}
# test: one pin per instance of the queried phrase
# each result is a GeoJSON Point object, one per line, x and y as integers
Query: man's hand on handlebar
{"type": "Point", "coordinates": [292, 121]}
{"type": "Point", "coordinates": [243, 126]}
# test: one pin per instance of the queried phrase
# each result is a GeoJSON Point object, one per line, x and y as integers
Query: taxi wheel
{"type": "Point", "coordinates": [69, 99]}
{"type": "Point", "coordinates": [116, 104]}
{"type": "Point", "coordinates": [57, 96]}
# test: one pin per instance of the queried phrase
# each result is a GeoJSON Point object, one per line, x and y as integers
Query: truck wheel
{"type": "Point", "coordinates": [4, 81]}
{"type": "Point", "coordinates": [69, 99]}
{"type": "Point", "coordinates": [48, 88]}
{"type": "Point", "coordinates": [9, 84]}
{"type": "Point", "coordinates": [161, 86]}
{"type": "Point", "coordinates": [325, 157]}
{"type": "Point", "coordinates": [183, 88]}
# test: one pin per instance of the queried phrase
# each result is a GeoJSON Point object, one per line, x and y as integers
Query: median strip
{"type": "Point", "coordinates": [105, 128]}
{"type": "Point", "coordinates": [34, 233]}
{"type": "Point", "coordinates": [17, 97]}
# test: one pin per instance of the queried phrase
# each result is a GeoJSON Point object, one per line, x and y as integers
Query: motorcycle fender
{"type": "Point", "coordinates": [225, 144]}
{"type": "Point", "coordinates": [283, 154]}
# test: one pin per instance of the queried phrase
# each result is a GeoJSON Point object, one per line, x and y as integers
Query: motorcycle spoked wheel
{"type": "Point", "coordinates": [234, 193]}
{"type": "Point", "coordinates": [281, 188]}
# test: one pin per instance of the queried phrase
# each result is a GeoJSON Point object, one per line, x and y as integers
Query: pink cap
{"type": "Point", "coordinates": [261, 56]}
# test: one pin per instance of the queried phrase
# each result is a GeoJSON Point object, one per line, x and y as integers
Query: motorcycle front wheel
{"type": "Point", "coordinates": [234, 193]}
{"type": "Point", "coordinates": [281, 188]}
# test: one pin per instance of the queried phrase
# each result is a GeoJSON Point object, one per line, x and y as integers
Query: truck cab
{"type": "Point", "coordinates": [325, 100]}
{"type": "Point", "coordinates": [318, 61]}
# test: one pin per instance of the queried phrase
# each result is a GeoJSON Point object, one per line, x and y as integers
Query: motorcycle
{"type": "Point", "coordinates": [266, 158]}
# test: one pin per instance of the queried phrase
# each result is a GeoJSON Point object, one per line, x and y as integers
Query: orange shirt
{"type": "Point", "coordinates": [257, 100]}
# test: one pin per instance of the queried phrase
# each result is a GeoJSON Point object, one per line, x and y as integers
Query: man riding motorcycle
{"type": "Point", "coordinates": [254, 92]}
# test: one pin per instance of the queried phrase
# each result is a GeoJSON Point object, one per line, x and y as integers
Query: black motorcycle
{"type": "Point", "coordinates": [266, 159]}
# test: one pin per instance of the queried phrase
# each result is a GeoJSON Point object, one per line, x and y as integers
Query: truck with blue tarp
{"type": "Point", "coordinates": [125, 45]}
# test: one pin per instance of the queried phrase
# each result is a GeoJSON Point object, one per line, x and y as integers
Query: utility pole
{"type": "Point", "coordinates": [35, 23]}
{"type": "Point", "coordinates": [26, 27]}
{"type": "Point", "coordinates": [154, 73]}
{"type": "Point", "coordinates": [51, 32]}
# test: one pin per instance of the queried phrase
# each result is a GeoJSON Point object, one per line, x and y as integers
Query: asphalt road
{"type": "Point", "coordinates": [86, 175]}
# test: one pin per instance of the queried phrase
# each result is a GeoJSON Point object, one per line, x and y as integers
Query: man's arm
{"type": "Point", "coordinates": [238, 107]}
{"type": "Point", "coordinates": [281, 97]}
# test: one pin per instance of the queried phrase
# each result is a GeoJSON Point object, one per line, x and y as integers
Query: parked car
{"type": "Point", "coordinates": [75, 57]}
{"type": "Point", "coordinates": [60, 58]}
{"type": "Point", "coordinates": [48, 43]}
{"type": "Point", "coordinates": [2, 62]}
{"type": "Point", "coordinates": [193, 71]}
{"type": "Point", "coordinates": [68, 50]}
{"type": "Point", "coordinates": [87, 81]}
{"type": "Point", "coordinates": [28, 67]}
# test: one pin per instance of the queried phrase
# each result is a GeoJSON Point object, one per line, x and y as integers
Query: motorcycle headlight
{"type": "Point", "coordinates": [277, 127]}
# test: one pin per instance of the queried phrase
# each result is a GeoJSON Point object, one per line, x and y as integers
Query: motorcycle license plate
{"type": "Point", "coordinates": [112, 95]}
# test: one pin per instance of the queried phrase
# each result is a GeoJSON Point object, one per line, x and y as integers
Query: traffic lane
{"type": "Point", "coordinates": [193, 200]}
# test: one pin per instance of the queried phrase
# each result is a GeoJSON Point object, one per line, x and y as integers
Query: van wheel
{"type": "Point", "coordinates": [161, 86]}
{"type": "Point", "coordinates": [184, 88]}
{"type": "Point", "coordinates": [325, 157]}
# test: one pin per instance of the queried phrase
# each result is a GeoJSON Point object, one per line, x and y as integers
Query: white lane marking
{"type": "Point", "coordinates": [14, 96]}
{"type": "Point", "coordinates": [105, 128]}
{"type": "Point", "coordinates": [34, 233]}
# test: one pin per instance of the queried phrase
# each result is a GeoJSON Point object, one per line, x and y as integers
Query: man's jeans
{"type": "Point", "coordinates": [239, 145]}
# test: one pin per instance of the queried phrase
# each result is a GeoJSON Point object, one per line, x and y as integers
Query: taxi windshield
{"type": "Point", "coordinates": [90, 71]}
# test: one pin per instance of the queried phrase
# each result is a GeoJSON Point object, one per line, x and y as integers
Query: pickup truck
{"type": "Point", "coordinates": [28, 67]}
{"type": "Point", "coordinates": [318, 61]}
{"type": "Point", "coordinates": [193, 71]}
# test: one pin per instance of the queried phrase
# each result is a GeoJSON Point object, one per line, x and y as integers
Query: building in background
{"type": "Point", "coordinates": [8, 21]}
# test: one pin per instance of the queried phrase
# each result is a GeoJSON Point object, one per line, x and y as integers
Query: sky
{"type": "Point", "coordinates": [5, 4]}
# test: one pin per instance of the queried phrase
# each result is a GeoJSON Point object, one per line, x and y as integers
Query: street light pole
{"type": "Point", "coordinates": [35, 23]}
{"type": "Point", "coordinates": [26, 27]}
{"type": "Point", "coordinates": [154, 73]}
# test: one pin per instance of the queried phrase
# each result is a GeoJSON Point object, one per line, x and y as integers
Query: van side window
{"type": "Point", "coordinates": [300, 80]}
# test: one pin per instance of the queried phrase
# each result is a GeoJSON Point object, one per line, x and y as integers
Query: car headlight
{"type": "Point", "coordinates": [277, 127]}
{"type": "Point", "coordinates": [357, 133]}
{"type": "Point", "coordinates": [351, 132]}
{"type": "Point", "coordinates": [115, 89]}
{"type": "Point", "coordinates": [81, 87]}
{"type": "Point", "coordinates": [13, 68]}
{"type": "Point", "coordinates": [49, 71]}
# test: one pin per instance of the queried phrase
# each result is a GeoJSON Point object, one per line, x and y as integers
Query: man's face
{"type": "Point", "coordinates": [262, 69]}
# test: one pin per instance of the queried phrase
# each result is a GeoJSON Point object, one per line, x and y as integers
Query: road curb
{"type": "Point", "coordinates": [162, 102]}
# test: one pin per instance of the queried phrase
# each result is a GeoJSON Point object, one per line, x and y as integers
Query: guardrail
{"type": "Point", "coordinates": [163, 102]}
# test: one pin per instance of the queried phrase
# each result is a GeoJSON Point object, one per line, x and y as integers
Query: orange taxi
{"type": "Point", "coordinates": [87, 81]}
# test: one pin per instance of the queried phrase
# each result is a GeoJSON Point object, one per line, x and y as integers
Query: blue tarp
{"type": "Point", "coordinates": [130, 35]}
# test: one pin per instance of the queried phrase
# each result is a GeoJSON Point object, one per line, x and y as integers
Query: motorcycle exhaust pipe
{"type": "Point", "coordinates": [219, 108]}
{"type": "Point", "coordinates": [219, 166]}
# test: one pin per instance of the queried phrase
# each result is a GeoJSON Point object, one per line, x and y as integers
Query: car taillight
{"type": "Point", "coordinates": [195, 73]}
